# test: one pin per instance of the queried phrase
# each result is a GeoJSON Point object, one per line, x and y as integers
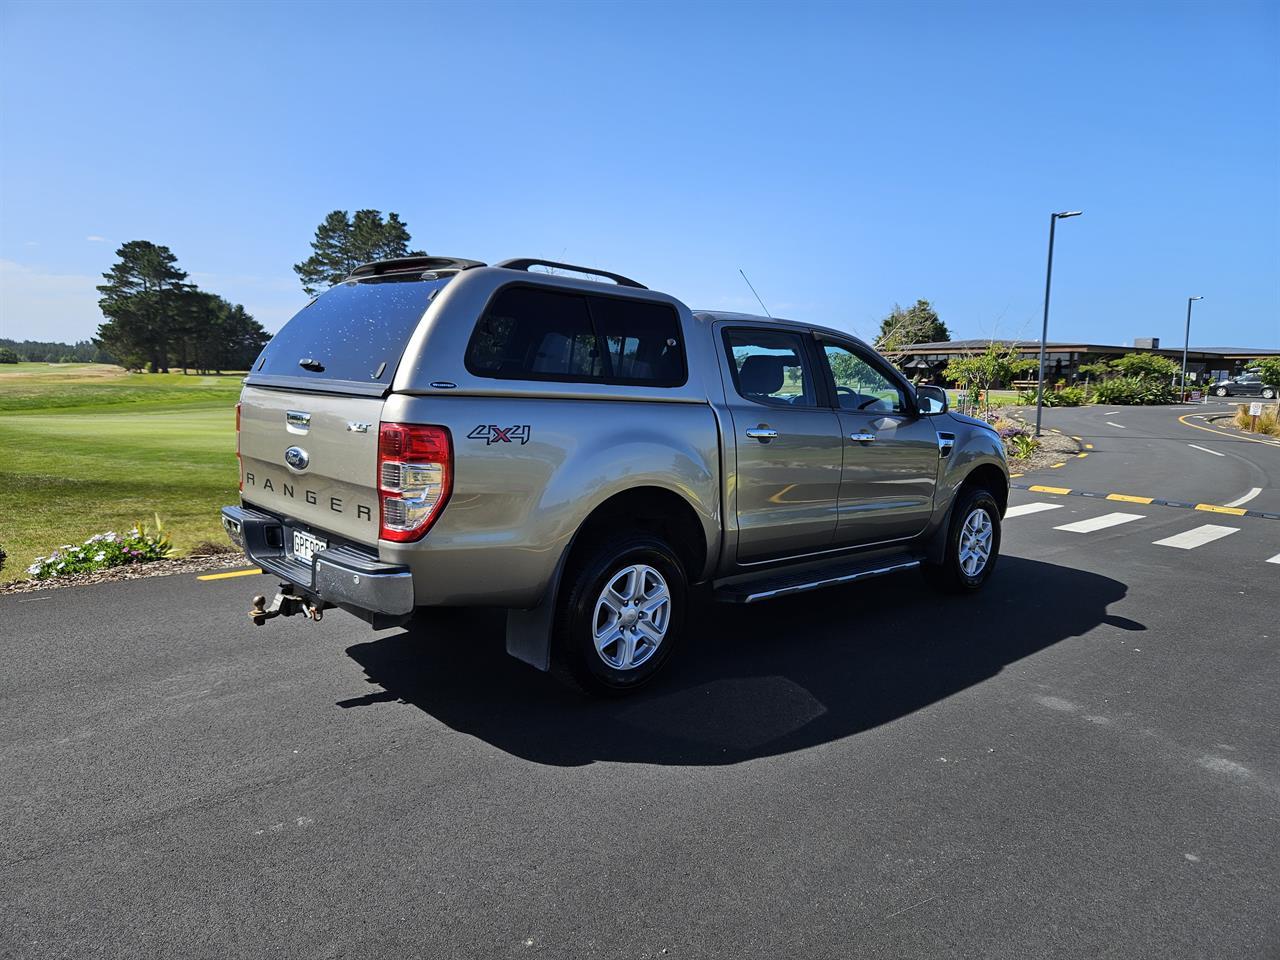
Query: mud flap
{"type": "Point", "coordinates": [529, 631]}
{"type": "Point", "coordinates": [936, 546]}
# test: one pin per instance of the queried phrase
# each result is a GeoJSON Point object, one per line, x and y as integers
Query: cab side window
{"type": "Point", "coordinates": [860, 385]}
{"type": "Point", "coordinates": [770, 367]}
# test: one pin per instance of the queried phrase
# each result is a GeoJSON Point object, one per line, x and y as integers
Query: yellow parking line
{"type": "Point", "coordinates": [1214, 508]}
{"type": "Point", "coordinates": [229, 574]}
{"type": "Point", "coordinates": [1128, 499]}
{"type": "Point", "coordinates": [1055, 466]}
{"type": "Point", "coordinates": [1088, 446]}
{"type": "Point", "coordinates": [1036, 488]}
{"type": "Point", "coordinates": [1014, 475]}
{"type": "Point", "coordinates": [1074, 437]}
{"type": "Point", "coordinates": [1080, 456]}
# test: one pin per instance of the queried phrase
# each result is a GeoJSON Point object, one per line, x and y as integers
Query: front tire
{"type": "Point", "coordinates": [1268, 393]}
{"type": "Point", "coordinates": [972, 545]}
{"type": "Point", "coordinates": [621, 615]}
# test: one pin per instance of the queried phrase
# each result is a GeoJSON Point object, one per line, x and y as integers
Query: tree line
{"type": "Point", "coordinates": [40, 351]}
{"type": "Point", "coordinates": [157, 320]}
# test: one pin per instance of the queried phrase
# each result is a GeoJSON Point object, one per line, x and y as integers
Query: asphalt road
{"type": "Point", "coordinates": [1081, 761]}
{"type": "Point", "coordinates": [1176, 451]}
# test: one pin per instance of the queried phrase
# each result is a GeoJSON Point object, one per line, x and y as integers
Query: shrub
{"type": "Point", "coordinates": [1268, 422]}
{"type": "Point", "coordinates": [1066, 397]}
{"type": "Point", "coordinates": [1021, 445]}
{"type": "Point", "coordinates": [101, 552]}
{"type": "Point", "coordinates": [8, 356]}
{"type": "Point", "coordinates": [3, 556]}
{"type": "Point", "coordinates": [1133, 391]}
{"type": "Point", "coordinates": [1146, 366]}
{"type": "Point", "coordinates": [1269, 369]}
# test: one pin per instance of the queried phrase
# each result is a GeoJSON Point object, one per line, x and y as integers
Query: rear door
{"type": "Point", "coordinates": [787, 443]}
{"type": "Point", "coordinates": [311, 408]}
{"type": "Point", "coordinates": [891, 457]}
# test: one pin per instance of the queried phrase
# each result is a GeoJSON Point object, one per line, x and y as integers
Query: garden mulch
{"type": "Point", "coordinates": [133, 571]}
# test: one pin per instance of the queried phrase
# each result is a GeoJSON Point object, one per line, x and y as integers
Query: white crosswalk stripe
{"type": "Point", "coordinates": [1258, 544]}
{"type": "Point", "coordinates": [1022, 509]}
{"type": "Point", "coordinates": [1099, 523]}
{"type": "Point", "coordinates": [1197, 536]}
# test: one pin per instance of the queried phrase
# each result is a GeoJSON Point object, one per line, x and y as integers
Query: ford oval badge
{"type": "Point", "coordinates": [297, 459]}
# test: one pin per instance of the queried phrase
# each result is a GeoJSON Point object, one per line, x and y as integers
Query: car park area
{"type": "Point", "coordinates": [1080, 760]}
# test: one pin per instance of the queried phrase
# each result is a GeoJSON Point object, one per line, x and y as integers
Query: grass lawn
{"type": "Point", "coordinates": [89, 448]}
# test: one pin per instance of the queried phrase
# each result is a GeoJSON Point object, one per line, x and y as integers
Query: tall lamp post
{"type": "Point", "coordinates": [1044, 330]}
{"type": "Point", "coordinates": [1186, 342]}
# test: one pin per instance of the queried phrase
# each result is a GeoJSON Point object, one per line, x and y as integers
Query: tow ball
{"type": "Point", "coordinates": [285, 604]}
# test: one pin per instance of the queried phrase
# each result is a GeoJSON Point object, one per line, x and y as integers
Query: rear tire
{"type": "Point", "coordinates": [1268, 393]}
{"type": "Point", "coordinates": [1220, 392]}
{"type": "Point", "coordinates": [621, 615]}
{"type": "Point", "coordinates": [972, 546]}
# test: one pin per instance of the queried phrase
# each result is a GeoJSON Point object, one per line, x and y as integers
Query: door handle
{"type": "Point", "coordinates": [762, 433]}
{"type": "Point", "coordinates": [862, 437]}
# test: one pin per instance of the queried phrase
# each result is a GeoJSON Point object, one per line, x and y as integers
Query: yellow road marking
{"type": "Point", "coordinates": [1128, 499]}
{"type": "Point", "coordinates": [1221, 433]}
{"type": "Point", "coordinates": [1080, 456]}
{"type": "Point", "coordinates": [1013, 475]}
{"type": "Point", "coordinates": [1088, 446]}
{"type": "Point", "coordinates": [229, 574]}
{"type": "Point", "coordinates": [1055, 466]}
{"type": "Point", "coordinates": [1036, 488]}
{"type": "Point", "coordinates": [1214, 508]}
{"type": "Point", "coordinates": [1074, 437]}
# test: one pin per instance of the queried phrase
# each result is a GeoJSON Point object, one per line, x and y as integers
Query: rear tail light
{"type": "Point", "coordinates": [415, 478]}
{"type": "Point", "coordinates": [239, 461]}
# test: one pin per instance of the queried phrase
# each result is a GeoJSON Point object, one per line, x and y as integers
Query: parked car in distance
{"type": "Point", "coordinates": [580, 452]}
{"type": "Point", "coordinates": [1245, 385]}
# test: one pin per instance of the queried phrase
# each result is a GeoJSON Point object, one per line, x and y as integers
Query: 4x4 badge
{"type": "Point", "coordinates": [491, 433]}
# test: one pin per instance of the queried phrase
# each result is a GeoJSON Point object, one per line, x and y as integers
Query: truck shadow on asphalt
{"type": "Point", "coordinates": [751, 681]}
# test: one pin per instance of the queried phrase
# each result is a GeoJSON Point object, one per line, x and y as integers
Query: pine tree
{"type": "Point", "coordinates": [343, 242]}
{"type": "Point", "coordinates": [143, 296]}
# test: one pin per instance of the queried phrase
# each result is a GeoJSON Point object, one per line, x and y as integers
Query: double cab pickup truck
{"type": "Point", "coordinates": [583, 452]}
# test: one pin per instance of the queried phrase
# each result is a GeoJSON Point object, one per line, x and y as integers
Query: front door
{"type": "Point", "coordinates": [890, 452]}
{"type": "Point", "coordinates": [788, 445]}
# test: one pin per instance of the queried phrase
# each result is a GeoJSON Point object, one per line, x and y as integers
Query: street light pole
{"type": "Point", "coordinates": [1186, 342]}
{"type": "Point", "coordinates": [1044, 330]}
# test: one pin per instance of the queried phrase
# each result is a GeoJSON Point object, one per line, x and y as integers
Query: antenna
{"type": "Point", "coordinates": [753, 290]}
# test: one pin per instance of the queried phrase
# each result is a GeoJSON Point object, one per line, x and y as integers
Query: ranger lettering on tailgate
{"type": "Point", "coordinates": [287, 489]}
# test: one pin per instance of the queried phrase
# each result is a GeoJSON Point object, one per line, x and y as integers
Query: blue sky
{"type": "Point", "coordinates": [846, 156]}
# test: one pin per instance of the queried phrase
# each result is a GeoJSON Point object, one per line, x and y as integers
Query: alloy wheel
{"type": "Point", "coordinates": [975, 542]}
{"type": "Point", "coordinates": [631, 616]}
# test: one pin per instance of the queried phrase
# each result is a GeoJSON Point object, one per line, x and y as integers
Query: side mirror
{"type": "Point", "coordinates": [930, 400]}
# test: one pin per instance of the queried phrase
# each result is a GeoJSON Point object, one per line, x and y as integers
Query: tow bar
{"type": "Point", "coordinates": [285, 604]}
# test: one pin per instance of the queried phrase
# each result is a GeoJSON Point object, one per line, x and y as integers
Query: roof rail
{"type": "Point", "coordinates": [525, 264]}
{"type": "Point", "coordinates": [406, 264]}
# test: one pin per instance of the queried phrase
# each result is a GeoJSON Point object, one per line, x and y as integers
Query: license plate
{"type": "Point", "coordinates": [305, 546]}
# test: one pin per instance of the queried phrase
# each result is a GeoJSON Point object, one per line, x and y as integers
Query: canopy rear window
{"type": "Point", "coordinates": [352, 334]}
{"type": "Point", "coordinates": [535, 333]}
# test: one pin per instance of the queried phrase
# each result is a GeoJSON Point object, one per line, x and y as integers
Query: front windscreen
{"type": "Point", "coordinates": [354, 332]}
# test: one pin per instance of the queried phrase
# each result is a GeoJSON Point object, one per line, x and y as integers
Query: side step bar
{"type": "Point", "coordinates": [785, 585]}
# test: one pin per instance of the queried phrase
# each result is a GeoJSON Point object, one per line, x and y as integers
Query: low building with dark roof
{"type": "Point", "coordinates": [926, 361]}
